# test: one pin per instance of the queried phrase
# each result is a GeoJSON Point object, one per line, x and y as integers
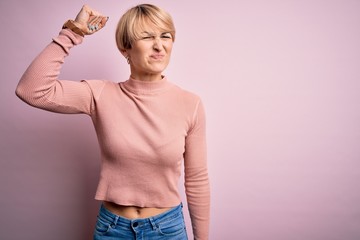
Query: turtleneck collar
{"type": "Point", "coordinates": [146, 87]}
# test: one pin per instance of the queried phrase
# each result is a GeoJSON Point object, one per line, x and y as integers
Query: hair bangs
{"type": "Point", "coordinates": [140, 19]}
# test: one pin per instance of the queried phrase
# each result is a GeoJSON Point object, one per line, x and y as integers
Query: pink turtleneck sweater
{"type": "Point", "coordinates": [145, 131]}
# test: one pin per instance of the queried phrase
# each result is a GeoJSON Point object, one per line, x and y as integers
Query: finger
{"type": "Point", "coordinates": [104, 20]}
{"type": "Point", "coordinates": [90, 29]}
{"type": "Point", "coordinates": [97, 23]}
{"type": "Point", "coordinates": [89, 13]}
{"type": "Point", "coordinates": [93, 24]}
{"type": "Point", "coordinates": [94, 20]}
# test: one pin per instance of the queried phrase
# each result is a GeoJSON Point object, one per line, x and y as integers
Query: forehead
{"type": "Point", "coordinates": [145, 25]}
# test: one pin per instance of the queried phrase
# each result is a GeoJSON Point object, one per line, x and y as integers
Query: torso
{"type": "Point", "coordinates": [142, 150]}
{"type": "Point", "coordinates": [133, 212]}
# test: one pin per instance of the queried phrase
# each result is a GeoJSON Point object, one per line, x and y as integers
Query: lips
{"type": "Point", "coordinates": [157, 56]}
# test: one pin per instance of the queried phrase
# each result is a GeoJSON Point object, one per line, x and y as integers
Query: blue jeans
{"type": "Point", "coordinates": [167, 225]}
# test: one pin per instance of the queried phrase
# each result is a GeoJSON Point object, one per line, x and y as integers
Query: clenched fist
{"type": "Point", "coordinates": [90, 21]}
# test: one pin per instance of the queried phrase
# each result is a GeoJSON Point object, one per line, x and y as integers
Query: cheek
{"type": "Point", "coordinates": [140, 50]}
{"type": "Point", "coordinates": [139, 57]}
{"type": "Point", "coordinates": [169, 46]}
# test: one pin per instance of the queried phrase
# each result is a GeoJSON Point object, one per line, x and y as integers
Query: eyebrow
{"type": "Point", "coordinates": [152, 34]}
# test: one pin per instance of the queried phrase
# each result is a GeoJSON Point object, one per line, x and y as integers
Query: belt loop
{"type": "Point", "coordinates": [153, 224]}
{"type": "Point", "coordinates": [115, 220]}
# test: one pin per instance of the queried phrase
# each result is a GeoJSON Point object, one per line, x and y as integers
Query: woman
{"type": "Point", "coordinates": [146, 126]}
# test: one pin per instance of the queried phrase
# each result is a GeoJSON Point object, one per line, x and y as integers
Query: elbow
{"type": "Point", "coordinates": [25, 94]}
{"type": "Point", "coordinates": [20, 91]}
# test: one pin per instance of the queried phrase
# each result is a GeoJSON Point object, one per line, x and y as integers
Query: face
{"type": "Point", "coordinates": [150, 55]}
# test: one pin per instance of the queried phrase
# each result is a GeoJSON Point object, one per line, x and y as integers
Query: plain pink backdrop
{"type": "Point", "coordinates": [281, 84]}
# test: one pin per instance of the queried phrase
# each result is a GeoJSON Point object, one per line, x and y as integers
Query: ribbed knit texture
{"type": "Point", "coordinates": [145, 131]}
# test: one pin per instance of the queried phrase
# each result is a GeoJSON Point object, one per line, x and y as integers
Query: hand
{"type": "Point", "coordinates": [90, 21]}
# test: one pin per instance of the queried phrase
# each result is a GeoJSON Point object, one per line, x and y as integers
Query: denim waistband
{"type": "Point", "coordinates": [144, 222]}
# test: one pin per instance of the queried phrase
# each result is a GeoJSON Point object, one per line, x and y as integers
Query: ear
{"type": "Point", "coordinates": [124, 52]}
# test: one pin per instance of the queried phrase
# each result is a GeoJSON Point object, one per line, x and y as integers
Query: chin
{"type": "Point", "coordinates": [158, 69]}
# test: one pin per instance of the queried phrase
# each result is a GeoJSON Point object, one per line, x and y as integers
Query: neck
{"type": "Point", "coordinates": [146, 77]}
{"type": "Point", "coordinates": [147, 87]}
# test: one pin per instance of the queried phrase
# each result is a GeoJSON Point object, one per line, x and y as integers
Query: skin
{"type": "Point", "coordinates": [150, 55]}
{"type": "Point", "coordinates": [148, 58]}
{"type": "Point", "coordinates": [88, 16]}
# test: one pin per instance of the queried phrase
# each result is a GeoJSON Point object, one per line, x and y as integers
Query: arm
{"type": "Point", "coordinates": [196, 176]}
{"type": "Point", "coordinates": [39, 85]}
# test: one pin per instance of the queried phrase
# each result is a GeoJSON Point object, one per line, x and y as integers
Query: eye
{"type": "Point", "coordinates": [166, 35]}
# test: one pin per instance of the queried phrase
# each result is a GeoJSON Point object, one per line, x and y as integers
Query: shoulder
{"type": "Point", "coordinates": [99, 83]}
{"type": "Point", "coordinates": [98, 86]}
{"type": "Point", "coordinates": [190, 102]}
{"type": "Point", "coordinates": [187, 95]}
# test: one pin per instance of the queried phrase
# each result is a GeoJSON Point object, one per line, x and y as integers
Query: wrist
{"type": "Point", "coordinates": [70, 24]}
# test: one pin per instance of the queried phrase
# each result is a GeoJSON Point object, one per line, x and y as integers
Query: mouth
{"type": "Point", "coordinates": [157, 56]}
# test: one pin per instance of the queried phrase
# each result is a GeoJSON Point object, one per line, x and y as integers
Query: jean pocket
{"type": "Point", "coordinates": [172, 228]}
{"type": "Point", "coordinates": [102, 226]}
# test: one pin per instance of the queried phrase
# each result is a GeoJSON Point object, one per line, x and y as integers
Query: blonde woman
{"type": "Point", "coordinates": [147, 127]}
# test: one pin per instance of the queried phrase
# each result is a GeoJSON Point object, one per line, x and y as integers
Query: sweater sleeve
{"type": "Point", "coordinates": [39, 86]}
{"type": "Point", "coordinates": [196, 176]}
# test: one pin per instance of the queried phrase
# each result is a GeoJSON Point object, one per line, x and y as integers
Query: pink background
{"type": "Point", "coordinates": [281, 84]}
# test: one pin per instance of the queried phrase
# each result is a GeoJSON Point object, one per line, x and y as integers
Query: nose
{"type": "Point", "coordinates": [157, 44]}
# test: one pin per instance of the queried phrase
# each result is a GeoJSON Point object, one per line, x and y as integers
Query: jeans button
{"type": "Point", "coordinates": [135, 224]}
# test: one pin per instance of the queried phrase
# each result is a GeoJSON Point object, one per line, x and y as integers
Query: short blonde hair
{"type": "Point", "coordinates": [136, 19]}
